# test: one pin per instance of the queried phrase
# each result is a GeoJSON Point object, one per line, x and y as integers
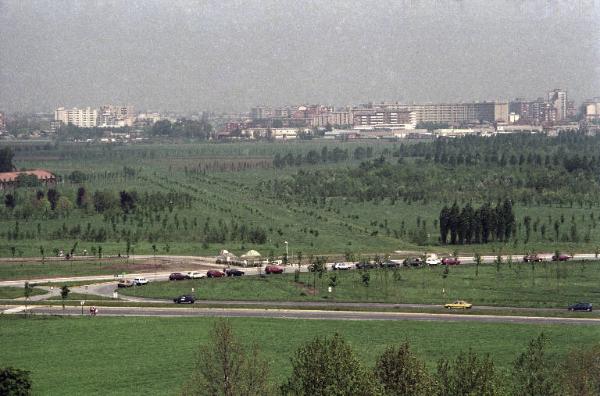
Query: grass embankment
{"type": "Point", "coordinates": [124, 356]}
{"type": "Point", "coordinates": [33, 270]}
{"type": "Point", "coordinates": [517, 285]}
{"type": "Point", "coordinates": [16, 292]}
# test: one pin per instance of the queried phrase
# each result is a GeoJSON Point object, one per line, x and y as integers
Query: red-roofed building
{"type": "Point", "coordinates": [9, 179]}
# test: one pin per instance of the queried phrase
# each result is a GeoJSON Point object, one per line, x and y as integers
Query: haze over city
{"type": "Point", "coordinates": [186, 55]}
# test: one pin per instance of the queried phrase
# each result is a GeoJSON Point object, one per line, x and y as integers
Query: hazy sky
{"type": "Point", "coordinates": [230, 55]}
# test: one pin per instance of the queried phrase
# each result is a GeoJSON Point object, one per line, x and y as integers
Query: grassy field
{"type": "Point", "coordinates": [16, 292]}
{"type": "Point", "coordinates": [123, 356]}
{"type": "Point", "coordinates": [517, 285]}
{"type": "Point", "coordinates": [338, 225]}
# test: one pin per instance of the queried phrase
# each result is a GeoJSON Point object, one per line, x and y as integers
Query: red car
{"type": "Point", "coordinates": [561, 257]}
{"type": "Point", "coordinates": [215, 274]}
{"type": "Point", "coordinates": [177, 276]}
{"type": "Point", "coordinates": [532, 258]}
{"type": "Point", "coordinates": [450, 261]}
{"type": "Point", "coordinates": [273, 269]}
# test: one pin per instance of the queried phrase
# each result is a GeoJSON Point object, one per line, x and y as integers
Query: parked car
{"type": "Point", "coordinates": [273, 269]}
{"type": "Point", "coordinates": [365, 265]}
{"type": "Point", "coordinates": [215, 274]}
{"type": "Point", "coordinates": [139, 281]}
{"type": "Point", "coordinates": [450, 261]}
{"type": "Point", "coordinates": [177, 276]}
{"type": "Point", "coordinates": [459, 304]}
{"type": "Point", "coordinates": [582, 306]}
{"type": "Point", "coordinates": [125, 283]}
{"type": "Point", "coordinates": [195, 275]}
{"type": "Point", "coordinates": [184, 299]}
{"type": "Point", "coordinates": [561, 257]}
{"type": "Point", "coordinates": [412, 262]}
{"type": "Point", "coordinates": [234, 272]}
{"type": "Point", "coordinates": [532, 258]}
{"type": "Point", "coordinates": [433, 260]}
{"type": "Point", "coordinates": [341, 266]}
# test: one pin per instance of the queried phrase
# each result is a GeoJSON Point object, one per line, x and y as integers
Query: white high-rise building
{"type": "Point", "coordinates": [82, 118]}
{"type": "Point", "coordinates": [558, 100]}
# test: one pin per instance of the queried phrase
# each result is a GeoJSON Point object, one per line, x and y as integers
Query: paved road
{"type": "Point", "coordinates": [298, 314]}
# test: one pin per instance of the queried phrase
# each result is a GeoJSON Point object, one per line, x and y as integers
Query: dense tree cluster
{"type": "Point", "coordinates": [314, 157]}
{"type": "Point", "coordinates": [184, 128]}
{"type": "Point", "coordinates": [6, 157]}
{"type": "Point", "coordinates": [481, 225]}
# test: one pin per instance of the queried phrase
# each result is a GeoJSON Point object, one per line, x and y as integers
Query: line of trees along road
{"type": "Point", "coordinates": [328, 366]}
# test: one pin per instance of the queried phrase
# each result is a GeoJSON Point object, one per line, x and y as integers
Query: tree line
{"type": "Point", "coordinates": [329, 366]}
{"type": "Point", "coordinates": [482, 225]}
{"type": "Point", "coordinates": [326, 155]}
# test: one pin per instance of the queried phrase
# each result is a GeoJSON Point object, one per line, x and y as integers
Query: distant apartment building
{"type": "Point", "coordinates": [111, 116]}
{"type": "Point", "coordinates": [533, 111]}
{"type": "Point", "coordinates": [82, 118]}
{"type": "Point", "coordinates": [591, 109]}
{"type": "Point", "coordinates": [333, 118]}
{"type": "Point", "coordinates": [557, 99]}
{"type": "Point", "coordinates": [2, 122]}
{"type": "Point", "coordinates": [149, 117]}
{"type": "Point", "coordinates": [261, 113]}
{"type": "Point", "coordinates": [384, 117]}
{"type": "Point", "coordinates": [450, 113]}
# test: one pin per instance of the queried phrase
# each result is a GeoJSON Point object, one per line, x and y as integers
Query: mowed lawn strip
{"type": "Point", "coordinates": [123, 356]}
{"type": "Point", "coordinates": [16, 292]}
{"type": "Point", "coordinates": [518, 285]}
{"type": "Point", "coordinates": [33, 270]}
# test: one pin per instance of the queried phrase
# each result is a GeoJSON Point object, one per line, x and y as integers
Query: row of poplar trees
{"type": "Point", "coordinates": [482, 225]}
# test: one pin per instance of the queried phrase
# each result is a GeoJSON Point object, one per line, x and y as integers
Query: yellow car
{"type": "Point", "coordinates": [459, 304]}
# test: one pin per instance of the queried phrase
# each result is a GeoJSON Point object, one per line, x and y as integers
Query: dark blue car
{"type": "Point", "coordinates": [582, 306]}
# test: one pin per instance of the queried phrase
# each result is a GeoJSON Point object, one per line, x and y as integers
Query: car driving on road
{"type": "Point", "coordinates": [450, 261]}
{"type": "Point", "coordinates": [433, 260]}
{"type": "Point", "coordinates": [532, 258]}
{"type": "Point", "coordinates": [458, 304]}
{"type": "Point", "coordinates": [365, 265]}
{"type": "Point", "coordinates": [177, 276]}
{"type": "Point", "coordinates": [195, 275]}
{"type": "Point", "coordinates": [215, 274]}
{"type": "Point", "coordinates": [581, 306]}
{"type": "Point", "coordinates": [125, 283]}
{"type": "Point", "coordinates": [234, 272]}
{"type": "Point", "coordinates": [561, 257]}
{"type": "Point", "coordinates": [273, 269]}
{"type": "Point", "coordinates": [341, 266]}
{"type": "Point", "coordinates": [139, 281]}
{"type": "Point", "coordinates": [412, 262]}
{"type": "Point", "coordinates": [184, 299]}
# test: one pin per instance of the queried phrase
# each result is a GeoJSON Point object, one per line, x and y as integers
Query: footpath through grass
{"type": "Point", "coordinates": [518, 285]}
{"type": "Point", "coordinates": [125, 356]}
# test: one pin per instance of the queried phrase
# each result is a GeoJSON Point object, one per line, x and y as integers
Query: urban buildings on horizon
{"type": "Point", "coordinates": [285, 122]}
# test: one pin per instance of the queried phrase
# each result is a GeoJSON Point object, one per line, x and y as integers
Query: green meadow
{"type": "Point", "coordinates": [123, 356]}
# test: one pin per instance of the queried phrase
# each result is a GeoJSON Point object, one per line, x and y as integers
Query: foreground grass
{"type": "Point", "coordinates": [518, 285]}
{"type": "Point", "coordinates": [124, 356]}
{"type": "Point", "coordinates": [16, 292]}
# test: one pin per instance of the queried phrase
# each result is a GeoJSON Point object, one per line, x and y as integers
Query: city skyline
{"type": "Point", "coordinates": [230, 57]}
